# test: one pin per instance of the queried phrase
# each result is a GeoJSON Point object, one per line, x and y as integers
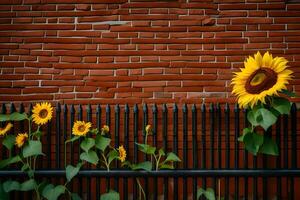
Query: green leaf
{"type": "Point", "coordinates": [253, 141]}
{"type": "Point", "coordinates": [161, 152]}
{"type": "Point", "coordinates": [251, 116]}
{"type": "Point", "coordinates": [28, 185]}
{"type": "Point", "coordinates": [166, 166]}
{"type": "Point", "coordinates": [4, 118]}
{"type": "Point", "coordinates": [4, 195]}
{"type": "Point", "coordinates": [245, 131]}
{"type": "Point", "coordinates": [282, 105]}
{"type": "Point", "coordinates": [10, 185]}
{"type": "Point", "coordinates": [147, 166]}
{"type": "Point", "coordinates": [75, 196]}
{"type": "Point", "coordinates": [33, 148]}
{"type": "Point", "coordinates": [210, 194]}
{"type": "Point", "coordinates": [111, 195]}
{"type": "Point", "coordinates": [269, 147]}
{"type": "Point", "coordinates": [37, 133]}
{"type": "Point", "coordinates": [90, 157]}
{"type": "Point", "coordinates": [102, 142]}
{"type": "Point", "coordinates": [172, 157]}
{"type": "Point", "coordinates": [72, 139]}
{"type": "Point", "coordinates": [87, 144]}
{"type": "Point", "coordinates": [289, 93]}
{"type": "Point", "coordinates": [52, 193]}
{"type": "Point", "coordinates": [72, 171]}
{"type": "Point", "coordinates": [113, 154]}
{"type": "Point", "coordinates": [6, 162]}
{"type": "Point", "coordinates": [267, 118]}
{"type": "Point", "coordinates": [17, 116]}
{"type": "Point", "coordinates": [9, 141]}
{"type": "Point", "coordinates": [147, 149]}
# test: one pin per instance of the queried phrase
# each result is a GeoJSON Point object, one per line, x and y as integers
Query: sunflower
{"type": "Point", "coordinates": [148, 129]}
{"type": "Point", "coordinates": [105, 129]}
{"type": "Point", "coordinates": [21, 139]}
{"type": "Point", "coordinates": [5, 129]}
{"type": "Point", "coordinates": [122, 153]}
{"type": "Point", "coordinates": [262, 76]}
{"type": "Point", "coordinates": [81, 128]}
{"type": "Point", "coordinates": [42, 113]}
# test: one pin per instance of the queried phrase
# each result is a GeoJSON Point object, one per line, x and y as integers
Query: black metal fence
{"type": "Point", "coordinates": [204, 137]}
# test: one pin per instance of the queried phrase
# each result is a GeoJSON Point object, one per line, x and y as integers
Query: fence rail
{"type": "Point", "coordinates": [204, 137]}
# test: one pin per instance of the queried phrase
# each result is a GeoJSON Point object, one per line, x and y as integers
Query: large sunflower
{"type": "Point", "coordinates": [81, 128]}
{"type": "Point", "coordinates": [262, 76]}
{"type": "Point", "coordinates": [5, 129]}
{"type": "Point", "coordinates": [42, 113]}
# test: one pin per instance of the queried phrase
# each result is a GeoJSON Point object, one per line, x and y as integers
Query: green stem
{"type": "Point", "coordinates": [141, 189]}
{"type": "Point", "coordinates": [105, 161]}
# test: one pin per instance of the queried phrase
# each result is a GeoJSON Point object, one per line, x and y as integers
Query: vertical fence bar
{"type": "Point", "coordinates": [278, 158]}
{"type": "Point", "coordinates": [135, 150]}
{"type": "Point", "coordinates": [294, 144]}
{"type": "Point", "coordinates": [185, 146]}
{"type": "Point", "coordinates": [195, 148]}
{"type": "Point", "coordinates": [88, 179]}
{"type": "Point", "coordinates": [236, 148]}
{"type": "Point", "coordinates": [203, 142]}
{"type": "Point", "coordinates": [80, 118]}
{"type": "Point", "coordinates": [175, 147]}
{"type": "Point", "coordinates": [57, 135]}
{"type": "Point", "coordinates": [3, 111]}
{"type": "Point", "coordinates": [145, 122]}
{"type": "Point", "coordinates": [165, 143]}
{"type": "Point", "coordinates": [212, 140]}
{"type": "Point", "coordinates": [245, 158]}
{"type": "Point", "coordinates": [117, 140]}
{"type": "Point", "coordinates": [107, 122]}
{"type": "Point", "coordinates": [227, 147]}
{"type": "Point", "coordinates": [154, 114]}
{"type": "Point", "coordinates": [265, 160]}
{"type": "Point", "coordinates": [65, 129]}
{"type": "Point", "coordinates": [12, 110]}
{"type": "Point", "coordinates": [49, 132]}
{"type": "Point", "coordinates": [285, 150]}
{"type": "Point", "coordinates": [126, 146]}
{"type": "Point", "coordinates": [98, 124]}
{"type": "Point", "coordinates": [72, 120]}
{"type": "Point", "coordinates": [219, 125]}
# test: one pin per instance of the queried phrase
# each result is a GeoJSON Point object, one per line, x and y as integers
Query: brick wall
{"type": "Point", "coordinates": [125, 51]}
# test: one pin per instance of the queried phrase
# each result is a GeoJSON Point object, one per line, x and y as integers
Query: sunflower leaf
{"type": "Point", "coordinates": [282, 105]}
{"type": "Point", "coordinates": [90, 157]}
{"type": "Point", "coordinates": [111, 195]}
{"type": "Point", "coordinates": [17, 116]}
{"type": "Point", "coordinates": [147, 166]}
{"type": "Point", "coordinates": [87, 144]}
{"type": "Point", "coordinates": [33, 148]}
{"type": "Point", "coordinates": [113, 154]}
{"type": "Point", "coordinates": [4, 118]}
{"type": "Point", "coordinates": [253, 141]}
{"type": "Point", "coordinates": [9, 141]}
{"type": "Point", "coordinates": [289, 93]}
{"type": "Point", "coordinates": [72, 139]}
{"type": "Point", "coordinates": [72, 171]}
{"type": "Point", "coordinates": [265, 118]}
{"type": "Point", "coordinates": [251, 116]}
{"type": "Point", "coordinates": [6, 162]}
{"type": "Point", "coordinates": [102, 142]}
{"type": "Point", "coordinates": [52, 193]}
{"type": "Point", "coordinates": [269, 147]}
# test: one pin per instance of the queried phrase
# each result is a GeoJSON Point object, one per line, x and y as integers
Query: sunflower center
{"type": "Point", "coordinates": [81, 128]}
{"type": "Point", "coordinates": [262, 79]}
{"type": "Point", "coordinates": [43, 113]}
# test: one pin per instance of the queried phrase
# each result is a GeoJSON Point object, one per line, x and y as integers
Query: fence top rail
{"type": "Point", "coordinates": [164, 173]}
